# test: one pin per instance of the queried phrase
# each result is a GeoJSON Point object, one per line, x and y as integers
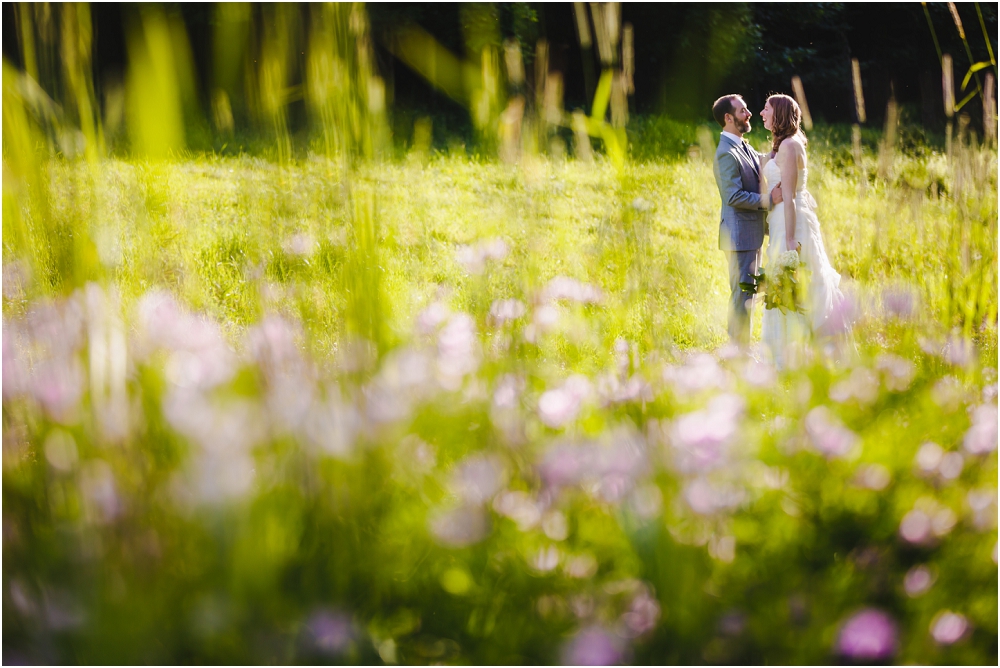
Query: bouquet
{"type": "Point", "coordinates": [785, 288]}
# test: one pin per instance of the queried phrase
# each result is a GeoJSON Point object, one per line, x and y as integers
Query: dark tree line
{"type": "Point", "coordinates": [686, 55]}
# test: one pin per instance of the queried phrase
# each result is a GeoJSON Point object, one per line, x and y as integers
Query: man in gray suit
{"type": "Point", "coordinates": [744, 208]}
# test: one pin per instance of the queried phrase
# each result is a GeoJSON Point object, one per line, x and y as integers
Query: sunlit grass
{"type": "Point", "coordinates": [225, 232]}
{"type": "Point", "coordinates": [312, 404]}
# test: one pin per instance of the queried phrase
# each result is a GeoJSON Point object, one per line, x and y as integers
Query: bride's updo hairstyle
{"type": "Point", "coordinates": [786, 120]}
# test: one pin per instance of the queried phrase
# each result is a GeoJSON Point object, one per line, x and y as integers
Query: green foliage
{"type": "Point", "coordinates": [328, 407]}
{"type": "Point", "coordinates": [346, 537]}
{"type": "Point", "coordinates": [653, 137]}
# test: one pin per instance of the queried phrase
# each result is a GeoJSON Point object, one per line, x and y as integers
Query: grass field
{"type": "Point", "coordinates": [314, 407]}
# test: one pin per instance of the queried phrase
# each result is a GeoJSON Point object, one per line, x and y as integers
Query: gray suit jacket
{"type": "Point", "coordinates": [741, 224]}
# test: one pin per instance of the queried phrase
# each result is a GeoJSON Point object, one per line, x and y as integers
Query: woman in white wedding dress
{"type": "Point", "coordinates": [796, 228]}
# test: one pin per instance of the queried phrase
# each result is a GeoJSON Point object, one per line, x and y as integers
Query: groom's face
{"type": "Point", "coordinates": [741, 116]}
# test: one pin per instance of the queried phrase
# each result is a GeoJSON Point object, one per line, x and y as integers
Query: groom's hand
{"type": "Point", "coordinates": [776, 195]}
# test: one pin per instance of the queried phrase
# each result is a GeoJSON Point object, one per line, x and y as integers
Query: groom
{"type": "Point", "coordinates": [744, 209]}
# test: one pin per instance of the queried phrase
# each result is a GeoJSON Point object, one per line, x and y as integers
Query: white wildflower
{"type": "Point", "coordinates": [788, 260]}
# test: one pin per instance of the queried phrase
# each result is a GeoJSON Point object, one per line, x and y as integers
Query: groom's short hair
{"type": "Point", "coordinates": [723, 106]}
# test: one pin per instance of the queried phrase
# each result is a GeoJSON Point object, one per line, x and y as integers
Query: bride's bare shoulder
{"type": "Point", "coordinates": [793, 148]}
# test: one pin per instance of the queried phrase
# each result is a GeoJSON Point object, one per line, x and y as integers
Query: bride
{"type": "Point", "coordinates": [795, 227]}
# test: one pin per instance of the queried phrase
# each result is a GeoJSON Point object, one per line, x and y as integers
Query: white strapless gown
{"type": "Point", "coordinates": [785, 335]}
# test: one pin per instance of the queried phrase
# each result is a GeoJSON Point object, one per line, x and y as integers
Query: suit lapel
{"type": "Point", "coordinates": [744, 153]}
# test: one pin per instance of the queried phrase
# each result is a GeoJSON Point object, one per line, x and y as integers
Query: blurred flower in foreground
{"type": "Point", "coordinates": [62, 611]}
{"type": "Point", "coordinates": [647, 501]}
{"type": "Point", "coordinates": [473, 258]}
{"type": "Point", "coordinates": [929, 456]}
{"type": "Point", "coordinates": [60, 450]}
{"type": "Point", "coordinates": [478, 478]}
{"type": "Point", "coordinates": [57, 386]}
{"type": "Point", "coordinates": [949, 627]}
{"type": "Point", "coordinates": [982, 435]}
{"type": "Point", "coordinates": [732, 623]}
{"type": "Point", "coordinates": [622, 358]}
{"type": "Point", "coordinates": [958, 351]}
{"type": "Point", "coordinates": [613, 391]}
{"type": "Point", "coordinates": [101, 500]}
{"type": "Point", "coordinates": [706, 498]}
{"type": "Point", "coordinates": [505, 310]}
{"type": "Point", "coordinates": [559, 406]}
{"type": "Point", "coordinates": [915, 527]}
{"type": "Point", "coordinates": [843, 315]}
{"type": "Point", "coordinates": [564, 464]}
{"type": "Point", "coordinates": [332, 425]}
{"type": "Point", "coordinates": [861, 385]}
{"type": "Point", "coordinates": [701, 439]}
{"type": "Point", "coordinates": [932, 459]}
{"type": "Point", "coordinates": [554, 525]}
{"type": "Point", "coordinates": [947, 393]}
{"type": "Point", "coordinates": [642, 615]}
{"type": "Point", "coordinates": [951, 465]}
{"type": "Point", "coordinates": [15, 371]}
{"type": "Point", "coordinates": [918, 580]}
{"type": "Point", "coordinates": [898, 302]}
{"type": "Point", "coordinates": [199, 356]}
{"type": "Point", "coordinates": [580, 566]}
{"type": "Point", "coordinates": [898, 372]}
{"type": "Point", "coordinates": [226, 431]}
{"type": "Point", "coordinates": [700, 372]}
{"type": "Point", "coordinates": [289, 379]}
{"type": "Point", "coordinates": [508, 391]}
{"type": "Point", "coordinates": [330, 632]}
{"type": "Point", "coordinates": [461, 526]}
{"type": "Point", "coordinates": [520, 507]}
{"type": "Point", "coordinates": [927, 520]}
{"type": "Point", "coordinates": [827, 434]}
{"type": "Point", "coordinates": [271, 344]}
{"type": "Point", "coordinates": [868, 636]}
{"type": "Point", "coordinates": [759, 374]}
{"type": "Point", "coordinates": [983, 504]}
{"type": "Point", "coordinates": [57, 327]}
{"type": "Point", "coordinates": [606, 469]}
{"type": "Point", "coordinates": [300, 244]}
{"type": "Point", "coordinates": [544, 318]}
{"type": "Point", "coordinates": [458, 351]}
{"type": "Point", "coordinates": [430, 318]}
{"type": "Point", "coordinates": [873, 476]}
{"type": "Point", "coordinates": [570, 289]}
{"type": "Point", "coordinates": [642, 204]}
{"type": "Point", "coordinates": [545, 559]}
{"type": "Point", "coordinates": [593, 646]}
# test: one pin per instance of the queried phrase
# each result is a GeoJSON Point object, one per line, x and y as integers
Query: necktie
{"type": "Point", "coordinates": [749, 154]}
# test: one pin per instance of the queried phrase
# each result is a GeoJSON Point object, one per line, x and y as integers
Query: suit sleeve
{"type": "Point", "coordinates": [732, 186]}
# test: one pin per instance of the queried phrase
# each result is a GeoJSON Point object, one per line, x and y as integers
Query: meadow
{"type": "Point", "coordinates": [332, 406]}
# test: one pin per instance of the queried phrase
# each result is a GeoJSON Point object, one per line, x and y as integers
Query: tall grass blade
{"type": "Point", "coordinates": [986, 36]}
{"type": "Point", "coordinates": [800, 97]}
{"type": "Point", "coordinates": [153, 94]}
{"type": "Point", "coordinates": [948, 85]}
{"type": "Point", "coordinates": [859, 95]}
{"type": "Point", "coordinates": [989, 110]}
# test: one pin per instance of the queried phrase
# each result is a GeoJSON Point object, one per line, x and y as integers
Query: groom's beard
{"type": "Point", "coordinates": [743, 127]}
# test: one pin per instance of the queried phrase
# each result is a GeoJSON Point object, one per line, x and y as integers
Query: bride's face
{"type": "Point", "coordinates": [767, 115]}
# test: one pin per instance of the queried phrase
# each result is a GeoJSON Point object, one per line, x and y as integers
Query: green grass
{"type": "Point", "coordinates": [260, 408]}
{"type": "Point", "coordinates": [219, 233]}
{"type": "Point", "coordinates": [356, 255]}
